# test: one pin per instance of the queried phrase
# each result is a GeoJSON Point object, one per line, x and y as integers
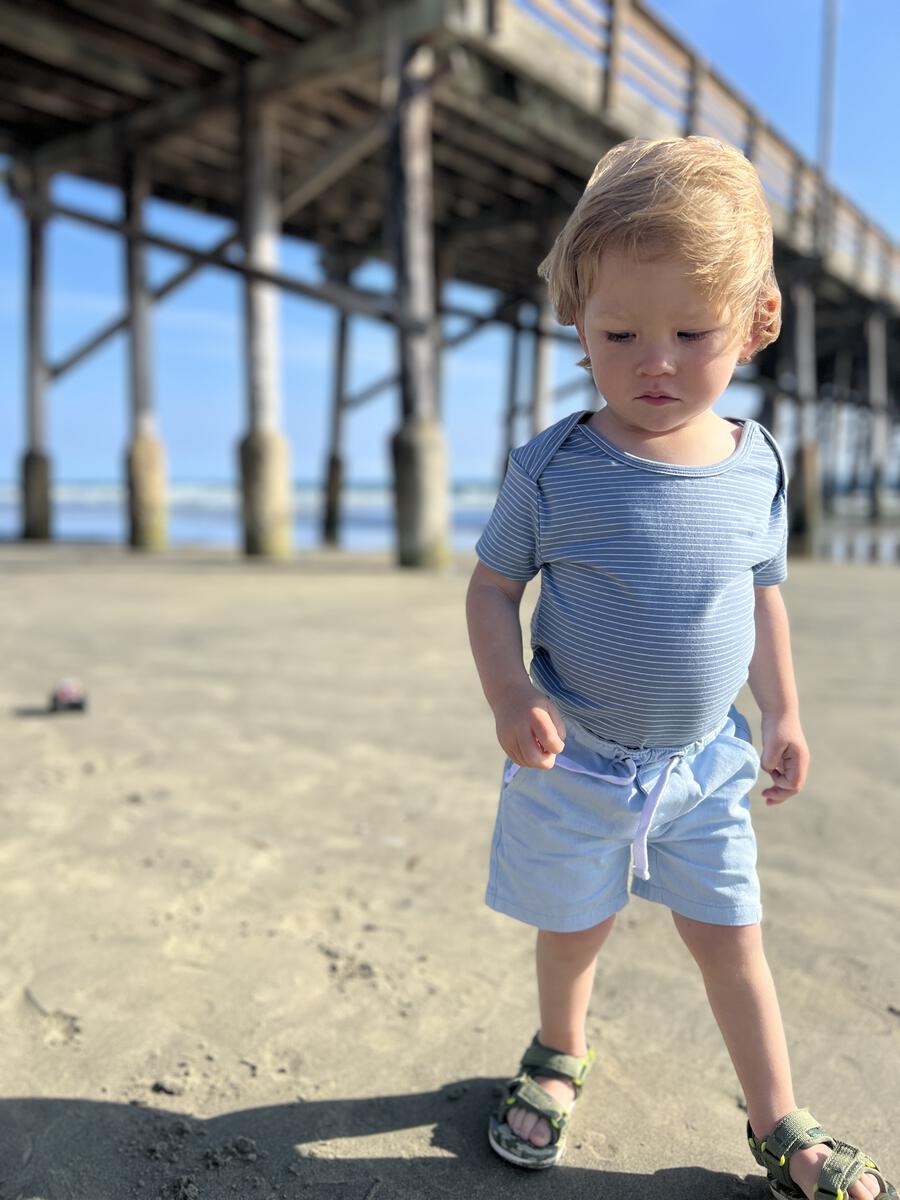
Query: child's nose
{"type": "Point", "coordinates": [655, 361]}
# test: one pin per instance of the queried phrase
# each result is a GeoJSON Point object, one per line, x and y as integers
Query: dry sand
{"type": "Point", "coordinates": [244, 950]}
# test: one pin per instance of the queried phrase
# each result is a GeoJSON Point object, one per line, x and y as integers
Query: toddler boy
{"type": "Point", "coordinates": [659, 529]}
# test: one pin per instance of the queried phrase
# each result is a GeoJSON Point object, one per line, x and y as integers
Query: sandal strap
{"type": "Point", "coordinates": [800, 1130]}
{"type": "Point", "coordinates": [543, 1060]}
{"type": "Point", "coordinates": [797, 1131]}
{"type": "Point", "coordinates": [842, 1169]}
{"type": "Point", "coordinates": [525, 1092]}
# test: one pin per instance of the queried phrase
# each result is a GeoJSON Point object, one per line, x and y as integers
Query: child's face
{"type": "Point", "coordinates": [648, 328]}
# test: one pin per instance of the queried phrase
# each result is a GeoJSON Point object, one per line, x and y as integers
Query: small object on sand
{"type": "Point", "coordinates": [68, 696]}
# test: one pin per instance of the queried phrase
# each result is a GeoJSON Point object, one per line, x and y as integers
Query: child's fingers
{"type": "Point", "coordinates": [556, 717]}
{"type": "Point", "coordinates": [545, 731]}
{"type": "Point", "coordinates": [778, 795]}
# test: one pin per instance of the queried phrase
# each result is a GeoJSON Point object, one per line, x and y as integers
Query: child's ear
{"type": "Point", "coordinates": [748, 347]}
{"type": "Point", "coordinates": [756, 336]}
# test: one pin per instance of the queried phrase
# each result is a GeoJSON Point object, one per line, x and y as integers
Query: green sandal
{"type": "Point", "coordinates": [538, 1060]}
{"type": "Point", "coordinates": [799, 1130]}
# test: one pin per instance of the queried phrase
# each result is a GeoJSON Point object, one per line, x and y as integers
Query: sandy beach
{"type": "Point", "coordinates": [244, 950]}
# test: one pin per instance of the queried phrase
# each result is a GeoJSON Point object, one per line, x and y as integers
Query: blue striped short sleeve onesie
{"type": "Point", "coordinates": [644, 629]}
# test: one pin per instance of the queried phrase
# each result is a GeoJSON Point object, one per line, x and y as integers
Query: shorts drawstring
{"type": "Point", "coordinates": [651, 803]}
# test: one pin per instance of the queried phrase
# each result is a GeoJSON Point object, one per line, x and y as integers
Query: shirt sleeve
{"type": "Point", "coordinates": [510, 541]}
{"type": "Point", "coordinates": [773, 570]}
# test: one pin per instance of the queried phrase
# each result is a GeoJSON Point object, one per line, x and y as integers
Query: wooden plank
{"type": "Point", "coordinates": [155, 28]}
{"type": "Point", "coordinates": [289, 19]}
{"type": "Point", "coordinates": [673, 77]}
{"type": "Point", "coordinates": [335, 53]}
{"type": "Point", "coordinates": [353, 148]}
{"type": "Point", "coordinates": [655, 32]}
{"type": "Point", "coordinates": [48, 43]}
{"type": "Point", "coordinates": [122, 45]}
{"type": "Point", "coordinates": [615, 36]}
{"type": "Point", "coordinates": [219, 24]}
{"type": "Point", "coordinates": [592, 43]}
{"type": "Point", "coordinates": [86, 100]}
{"type": "Point", "coordinates": [635, 77]}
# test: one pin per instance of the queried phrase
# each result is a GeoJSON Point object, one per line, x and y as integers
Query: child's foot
{"type": "Point", "coordinates": [528, 1126]}
{"type": "Point", "coordinates": [806, 1165]}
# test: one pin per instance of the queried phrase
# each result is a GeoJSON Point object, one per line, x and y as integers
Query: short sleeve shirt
{"type": "Point", "coordinates": [644, 629]}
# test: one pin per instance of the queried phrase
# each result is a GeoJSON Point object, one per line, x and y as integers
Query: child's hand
{"type": "Point", "coordinates": [529, 727]}
{"type": "Point", "coordinates": [785, 756]}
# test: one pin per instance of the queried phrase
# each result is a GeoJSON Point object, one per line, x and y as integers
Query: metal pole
{"type": "Point", "coordinates": [826, 112]}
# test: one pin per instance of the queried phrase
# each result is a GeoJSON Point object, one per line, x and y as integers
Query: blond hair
{"type": "Point", "coordinates": [693, 198]}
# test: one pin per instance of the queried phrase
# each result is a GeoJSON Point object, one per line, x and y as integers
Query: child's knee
{"type": "Point", "coordinates": [578, 941]}
{"type": "Point", "coordinates": [719, 944]}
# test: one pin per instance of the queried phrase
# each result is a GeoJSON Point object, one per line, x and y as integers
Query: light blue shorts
{"type": "Point", "coordinates": [565, 838]}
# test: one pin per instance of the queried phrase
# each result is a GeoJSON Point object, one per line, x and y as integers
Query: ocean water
{"type": "Point", "coordinates": [208, 514]}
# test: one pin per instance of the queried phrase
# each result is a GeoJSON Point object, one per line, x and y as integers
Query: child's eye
{"type": "Point", "coordinates": [617, 337]}
{"type": "Point", "coordinates": [688, 337]}
{"type": "Point", "coordinates": [693, 337]}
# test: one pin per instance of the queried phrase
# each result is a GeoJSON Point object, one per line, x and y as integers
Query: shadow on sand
{"type": "Point", "coordinates": [84, 1150]}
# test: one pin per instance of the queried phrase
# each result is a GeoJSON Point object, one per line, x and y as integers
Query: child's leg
{"type": "Point", "coordinates": [565, 972]}
{"type": "Point", "coordinates": [742, 996]}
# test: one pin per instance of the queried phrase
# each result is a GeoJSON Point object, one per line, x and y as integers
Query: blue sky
{"type": "Point", "coordinates": [769, 51]}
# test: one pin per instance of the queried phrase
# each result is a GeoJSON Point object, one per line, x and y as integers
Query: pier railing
{"type": "Point", "coordinates": [645, 81]}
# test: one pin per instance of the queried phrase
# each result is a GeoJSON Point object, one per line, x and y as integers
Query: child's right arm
{"type": "Point", "coordinates": [529, 726]}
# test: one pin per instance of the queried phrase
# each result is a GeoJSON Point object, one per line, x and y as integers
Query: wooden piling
{"type": "Point", "coordinates": [542, 365]}
{"type": "Point", "coordinates": [418, 447]}
{"type": "Point", "coordinates": [145, 459]}
{"type": "Point", "coordinates": [36, 512]}
{"type": "Point", "coordinates": [805, 492]}
{"type": "Point", "coordinates": [263, 453]}
{"type": "Point", "coordinates": [876, 346]}
{"type": "Point", "coordinates": [331, 515]}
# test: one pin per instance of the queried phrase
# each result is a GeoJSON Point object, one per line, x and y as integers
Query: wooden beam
{"type": "Point", "coordinates": [306, 65]}
{"type": "Point", "coordinates": [321, 176]}
{"type": "Point", "coordinates": [372, 304]}
{"type": "Point", "coordinates": [148, 24]}
{"type": "Point", "coordinates": [47, 41]}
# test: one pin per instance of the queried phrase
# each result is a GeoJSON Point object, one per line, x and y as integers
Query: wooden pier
{"type": "Point", "coordinates": [450, 138]}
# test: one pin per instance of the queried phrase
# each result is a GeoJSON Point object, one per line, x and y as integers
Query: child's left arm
{"type": "Point", "coordinates": [785, 755]}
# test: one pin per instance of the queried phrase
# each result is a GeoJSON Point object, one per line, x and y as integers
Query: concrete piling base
{"type": "Point", "coordinates": [36, 496]}
{"type": "Point", "coordinates": [147, 513]}
{"type": "Point", "coordinates": [420, 483]}
{"type": "Point", "coordinates": [266, 491]}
